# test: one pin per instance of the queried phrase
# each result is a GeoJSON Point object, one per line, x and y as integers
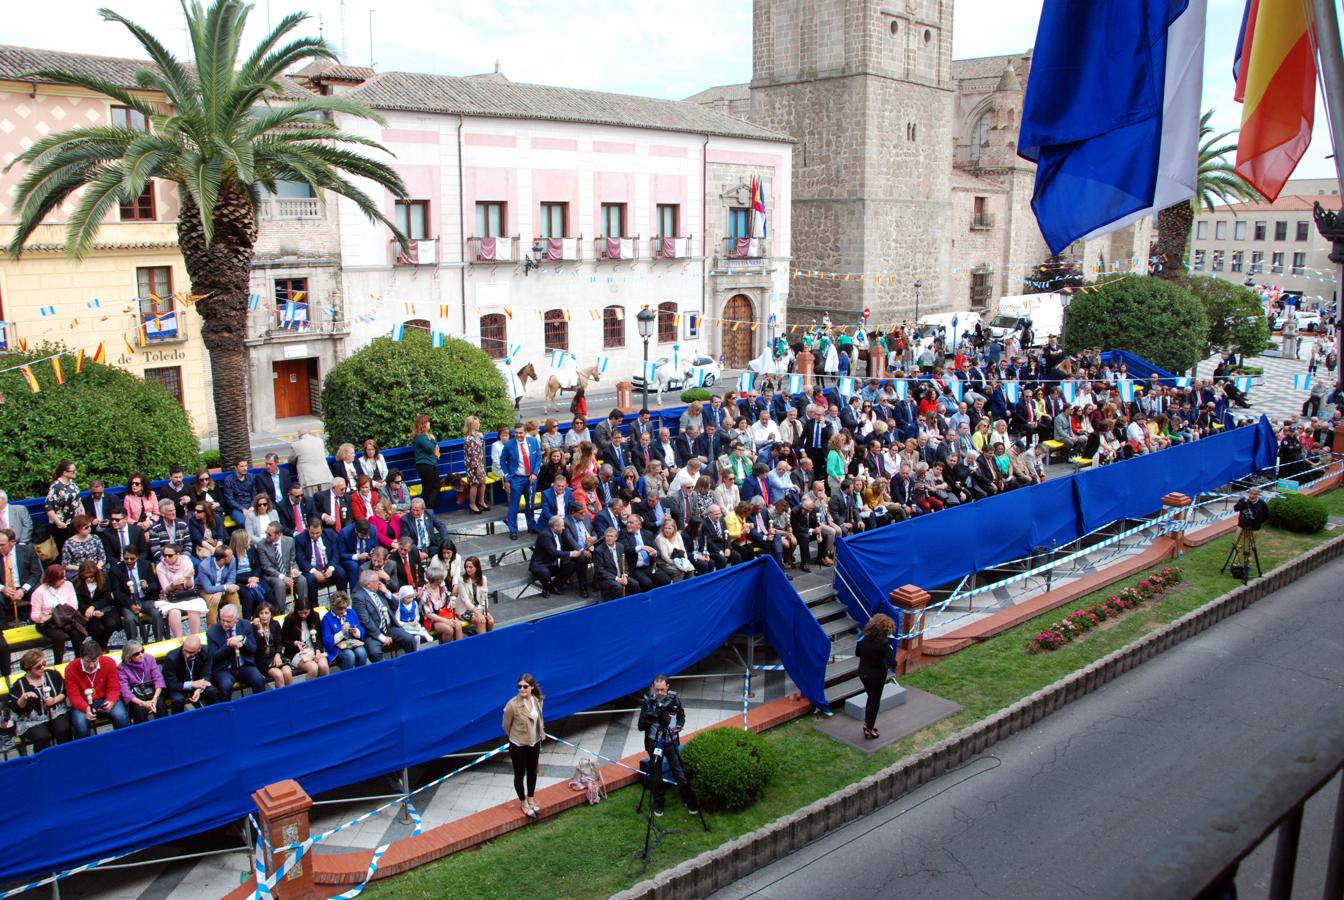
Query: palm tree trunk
{"type": "Point", "coordinates": [1173, 234]}
{"type": "Point", "coordinates": [220, 273]}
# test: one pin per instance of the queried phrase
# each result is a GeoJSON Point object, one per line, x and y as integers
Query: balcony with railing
{"type": "Point", "coordinates": [418, 252]}
{"type": "Point", "coordinates": [291, 209]}
{"type": "Point", "coordinates": [557, 249]}
{"type": "Point", "coordinates": [493, 250]}
{"type": "Point", "coordinates": [982, 221]}
{"type": "Point", "coordinates": [615, 249]}
{"type": "Point", "coordinates": [670, 247]}
{"type": "Point", "coordinates": [746, 248]}
{"type": "Point", "coordinates": [164, 327]}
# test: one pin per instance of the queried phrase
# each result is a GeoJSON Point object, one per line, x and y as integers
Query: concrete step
{"type": "Point", "coordinates": [836, 627]}
{"type": "Point", "coordinates": [840, 691]}
{"type": "Point", "coordinates": [827, 610]}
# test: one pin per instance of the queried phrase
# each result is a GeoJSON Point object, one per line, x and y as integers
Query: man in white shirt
{"type": "Point", "coordinates": [309, 456]}
{"type": "Point", "coordinates": [763, 430]}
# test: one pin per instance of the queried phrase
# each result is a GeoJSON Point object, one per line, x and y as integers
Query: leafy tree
{"type": "Point", "coordinates": [1236, 318]}
{"type": "Point", "coordinates": [378, 392]}
{"type": "Point", "coordinates": [104, 418]}
{"type": "Point", "coordinates": [1217, 180]}
{"type": "Point", "coordinates": [222, 139]}
{"type": "Point", "coordinates": [1158, 320]}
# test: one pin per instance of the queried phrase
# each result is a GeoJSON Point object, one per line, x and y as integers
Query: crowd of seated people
{"type": "Point", "coordinates": [614, 508]}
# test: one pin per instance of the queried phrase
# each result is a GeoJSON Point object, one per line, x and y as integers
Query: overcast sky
{"type": "Point", "coordinates": [657, 48]}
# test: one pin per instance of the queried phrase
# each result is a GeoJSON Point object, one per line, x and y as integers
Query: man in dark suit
{"type": "Point", "coordinates": [616, 453]}
{"type": "Point", "coordinates": [556, 499]}
{"type": "Point", "coordinates": [405, 566]}
{"type": "Point", "coordinates": [318, 559]}
{"type": "Point", "coordinates": [685, 445]}
{"type": "Point", "coordinates": [806, 528]}
{"type": "Point", "coordinates": [579, 535]}
{"type": "Point", "coordinates": [611, 568]}
{"type": "Point", "coordinates": [375, 606]}
{"type": "Point", "coordinates": [907, 418]}
{"type": "Point", "coordinates": [757, 485]}
{"type": "Point", "coordinates": [645, 424]}
{"type": "Point", "coordinates": [356, 542]}
{"type": "Point", "coordinates": [121, 534]}
{"type": "Point", "coordinates": [844, 510]}
{"type": "Point", "coordinates": [333, 505]}
{"type": "Point", "coordinates": [612, 516]}
{"type": "Point", "coordinates": [603, 431]}
{"type": "Point", "coordinates": [233, 650]}
{"type": "Point", "coordinates": [709, 447]}
{"type": "Point", "coordinates": [552, 562]}
{"type": "Point", "coordinates": [426, 532]}
{"type": "Point", "coordinates": [187, 676]}
{"type": "Point", "coordinates": [815, 439]}
{"type": "Point", "coordinates": [678, 505]}
{"type": "Point", "coordinates": [134, 588]}
{"type": "Point", "coordinates": [280, 569]}
{"type": "Point", "coordinates": [294, 510]}
{"type": "Point", "coordinates": [713, 539]}
{"type": "Point", "coordinates": [274, 481]}
{"type": "Point", "coordinates": [643, 453]}
{"type": "Point", "coordinates": [99, 505]}
{"type": "Point", "coordinates": [644, 554]}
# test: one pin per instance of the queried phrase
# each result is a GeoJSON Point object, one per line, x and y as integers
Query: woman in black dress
{"type": "Point", "coordinates": [877, 658]}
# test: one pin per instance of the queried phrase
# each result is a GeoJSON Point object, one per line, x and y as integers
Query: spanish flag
{"type": "Point", "coordinates": [1276, 82]}
{"type": "Point", "coordinates": [29, 377]}
{"type": "Point", "coordinates": [129, 349]}
{"type": "Point", "coordinates": [100, 355]}
{"type": "Point", "coordinates": [79, 361]}
{"type": "Point", "coordinates": [56, 370]}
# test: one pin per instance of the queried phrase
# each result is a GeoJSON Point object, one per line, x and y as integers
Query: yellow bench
{"type": "Point", "coordinates": [1081, 462]}
{"type": "Point", "coordinates": [1051, 448]}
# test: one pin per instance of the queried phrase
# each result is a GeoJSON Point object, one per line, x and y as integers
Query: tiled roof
{"type": "Point", "coordinates": [1285, 203]}
{"type": "Point", "coordinates": [105, 245]}
{"type": "Point", "coordinates": [414, 92]}
{"type": "Point", "coordinates": [722, 92]}
{"type": "Point", "coordinates": [15, 61]}
{"type": "Point", "coordinates": [983, 66]}
{"type": "Point", "coordinates": [327, 69]}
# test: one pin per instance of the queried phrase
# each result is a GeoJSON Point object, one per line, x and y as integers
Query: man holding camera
{"type": "Point", "coordinates": [1252, 512]}
{"type": "Point", "coordinates": [661, 719]}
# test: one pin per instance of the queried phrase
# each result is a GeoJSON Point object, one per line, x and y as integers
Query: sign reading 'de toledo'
{"type": "Point", "coordinates": [152, 356]}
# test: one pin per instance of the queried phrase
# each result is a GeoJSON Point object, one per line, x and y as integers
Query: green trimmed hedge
{"type": "Point", "coordinates": [690, 395]}
{"type": "Point", "coordinates": [729, 768]}
{"type": "Point", "coordinates": [1298, 512]}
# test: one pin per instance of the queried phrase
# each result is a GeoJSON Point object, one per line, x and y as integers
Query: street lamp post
{"type": "Point", "coordinates": [645, 320]}
{"type": "Point", "coordinates": [918, 284]}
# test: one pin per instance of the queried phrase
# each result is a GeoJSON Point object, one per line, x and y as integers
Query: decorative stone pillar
{"type": "Point", "coordinates": [911, 600]}
{"type": "Point", "coordinates": [804, 363]}
{"type": "Point", "coordinates": [282, 810]}
{"type": "Point", "coordinates": [1181, 504]}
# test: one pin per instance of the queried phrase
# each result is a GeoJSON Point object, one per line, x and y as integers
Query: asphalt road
{"type": "Point", "coordinates": [1061, 810]}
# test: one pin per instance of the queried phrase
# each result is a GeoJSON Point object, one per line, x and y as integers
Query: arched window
{"type": "Point", "coordinates": [556, 330]}
{"type": "Point", "coordinates": [495, 335]}
{"type": "Point", "coordinates": [667, 322]}
{"type": "Point", "coordinates": [979, 134]}
{"type": "Point", "coordinates": [613, 327]}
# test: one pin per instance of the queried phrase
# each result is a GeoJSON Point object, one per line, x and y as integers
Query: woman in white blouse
{"type": "Point", "coordinates": [259, 516]}
{"type": "Point", "coordinates": [372, 464]}
{"type": "Point", "coordinates": [471, 597]}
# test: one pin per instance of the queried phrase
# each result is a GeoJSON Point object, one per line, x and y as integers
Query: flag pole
{"type": "Point", "coordinates": [1331, 225]}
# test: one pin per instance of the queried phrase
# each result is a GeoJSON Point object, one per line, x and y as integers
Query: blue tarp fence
{"type": "Point", "coordinates": [173, 777]}
{"type": "Point", "coordinates": [1139, 368]}
{"type": "Point", "coordinates": [930, 551]}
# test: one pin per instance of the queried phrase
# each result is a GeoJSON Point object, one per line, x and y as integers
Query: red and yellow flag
{"type": "Point", "coordinates": [100, 355]}
{"type": "Point", "coordinates": [56, 370]}
{"type": "Point", "coordinates": [1276, 82]}
{"type": "Point", "coordinates": [29, 377]}
{"type": "Point", "coordinates": [79, 361]}
{"type": "Point", "coordinates": [129, 348]}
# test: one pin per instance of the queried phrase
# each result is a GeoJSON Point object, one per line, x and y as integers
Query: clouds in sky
{"type": "Point", "coordinates": [656, 48]}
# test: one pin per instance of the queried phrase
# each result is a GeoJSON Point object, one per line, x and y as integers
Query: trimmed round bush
{"type": "Point", "coordinates": [105, 419]}
{"type": "Point", "coordinates": [690, 395]}
{"type": "Point", "coordinates": [1155, 318]}
{"type": "Point", "coordinates": [378, 392]}
{"type": "Point", "coordinates": [1298, 512]}
{"type": "Point", "coordinates": [729, 768]}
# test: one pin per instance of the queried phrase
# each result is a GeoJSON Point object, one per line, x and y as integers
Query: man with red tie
{"type": "Point", "coordinates": [519, 461]}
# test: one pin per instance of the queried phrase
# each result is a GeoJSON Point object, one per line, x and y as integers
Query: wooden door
{"type": "Point", "coordinates": [737, 344]}
{"type": "Point", "coordinates": [291, 388]}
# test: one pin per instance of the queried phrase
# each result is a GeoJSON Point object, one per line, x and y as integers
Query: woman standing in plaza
{"type": "Point", "coordinates": [525, 729]}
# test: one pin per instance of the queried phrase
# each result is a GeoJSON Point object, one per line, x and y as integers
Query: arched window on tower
{"type": "Point", "coordinates": [979, 134]}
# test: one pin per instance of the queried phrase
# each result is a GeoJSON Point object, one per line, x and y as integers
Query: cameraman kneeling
{"type": "Point", "coordinates": [661, 719]}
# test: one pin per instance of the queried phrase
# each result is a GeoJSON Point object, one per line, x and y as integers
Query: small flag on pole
{"type": "Point", "coordinates": [94, 303]}
{"type": "Point", "coordinates": [795, 384]}
{"type": "Point", "coordinates": [29, 377]}
{"type": "Point", "coordinates": [47, 310]}
{"type": "Point", "coordinates": [436, 338]}
{"type": "Point", "coordinates": [1301, 382]}
{"type": "Point", "coordinates": [745, 381]}
{"type": "Point", "coordinates": [1126, 386]}
{"type": "Point", "coordinates": [253, 302]}
{"type": "Point", "coordinates": [56, 370]}
{"type": "Point", "coordinates": [398, 332]}
{"type": "Point", "coordinates": [79, 360]}
{"type": "Point", "coordinates": [100, 355]}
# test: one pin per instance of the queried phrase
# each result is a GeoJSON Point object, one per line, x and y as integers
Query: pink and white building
{"type": "Point", "coordinates": [545, 218]}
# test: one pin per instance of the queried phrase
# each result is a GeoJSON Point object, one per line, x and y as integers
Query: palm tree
{"type": "Point", "coordinates": [221, 141]}
{"type": "Point", "coordinates": [1217, 180]}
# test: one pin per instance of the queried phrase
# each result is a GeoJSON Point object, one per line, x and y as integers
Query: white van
{"type": "Point", "coordinates": [1045, 312]}
{"type": "Point", "coordinates": [954, 325]}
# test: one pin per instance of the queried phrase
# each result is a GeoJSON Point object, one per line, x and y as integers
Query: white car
{"type": "Point", "coordinates": [675, 381]}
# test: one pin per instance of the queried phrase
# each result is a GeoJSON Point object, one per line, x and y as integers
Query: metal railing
{"type": "Point", "coordinates": [1204, 860]}
{"type": "Point", "coordinates": [291, 208]}
{"type": "Point", "coordinates": [601, 248]}
{"type": "Point", "coordinates": [504, 245]}
{"type": "Point", "coordinates": [746, 248]}
{"type": "Point", "coordinates": [657, 246]}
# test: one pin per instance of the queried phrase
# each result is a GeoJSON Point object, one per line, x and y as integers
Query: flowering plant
{"type": "Point", "coordinates": [1082, 620]}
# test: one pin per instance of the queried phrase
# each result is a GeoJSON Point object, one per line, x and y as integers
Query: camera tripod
{"type": "Point", "coordinates": [650, 842]}
{"type": "Point", "coordinates": [1242, 554]}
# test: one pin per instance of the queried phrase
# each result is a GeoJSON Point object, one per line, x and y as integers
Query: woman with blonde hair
{"type": "Point", "coordinates": [877, 659]}
{"type": "Point", "coordinates": [585, 462]}
{"type": "Point", "coordinates": [343, 465]}
{"type": "Point", "coordinates": [473, 451]}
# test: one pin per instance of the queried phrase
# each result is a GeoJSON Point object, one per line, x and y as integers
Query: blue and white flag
{"type": "Point", "coordinates": [795, 384]}
{"type": "Point", "coordinates": [398, 332]}
{"type": "Point", "coordinates": [1244, 383]}
{"type": "Point", "coordinates": [436, 338]}
{"type": "Point", "coordinates": [1182, 381]}
{"type": "Point", "coordinates": [1012, 390]}
{"type": "Point", "coordinates": [47, 310]}
{"type": "Point", "coordinates": [561, 359]}
{"type": "Point", "coordinates": [94, 303]}
{"type": "Point", "coordinates": [1111, 116]}
{"type": "Point", "coordinates": [514, 350]}
{"type": "Point", "coordinates": [602, 363]}
{"type": "Point", "coordinates": [954, 385]}
{"type": "Point", "coordinates": [745, 381]}
{"type": "Point", "coordinates": [698, 376]}
{"type": "Point", "coordinates": [1126, 386]}
{"type": "Point", "coordinates": [650, 372]}
{"type": "Point", "coordinates": [676, 358]}
{"type": "Point", "coordinates": [846, 387]}
{"type": "Point", "coordinates": [1069, 390]}
{"type": "Point", "coordinates": [1301, 382]}
{"type": "Point", "coordinates": [253, 302]}
{"type": "Point", "coordinates": [900, 387]}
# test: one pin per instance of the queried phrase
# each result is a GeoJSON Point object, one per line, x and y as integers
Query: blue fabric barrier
{"type": "Point", "coordinates": [938, 549]}
{"type": "Point", "coordinates": [1139, 368]}
{"type": "Point", "coordinates": [173, 777]}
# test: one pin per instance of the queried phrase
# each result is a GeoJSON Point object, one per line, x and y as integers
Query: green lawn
{"type": "Point", "coordinates": [594, 851]}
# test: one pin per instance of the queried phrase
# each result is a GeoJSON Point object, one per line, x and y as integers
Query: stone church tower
{"type": "Point", "coordinates": [865, 87]}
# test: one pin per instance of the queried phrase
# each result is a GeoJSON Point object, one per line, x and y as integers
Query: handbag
{"type": "Point", "coordinates": [46, 550]}
{"type": "Point", "coordinates": [143, 691]}
{"type": "Point", "coordinates": [71, 621]}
